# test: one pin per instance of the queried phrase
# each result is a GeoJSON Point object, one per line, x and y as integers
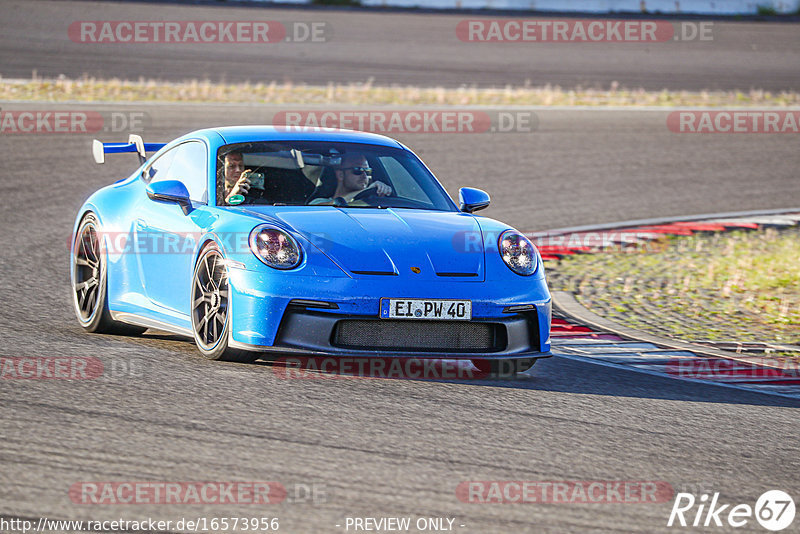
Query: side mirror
{"type": "Point", "coordinates": [170, 191]}
{"type": "Point", "coordinates": [470, 199]}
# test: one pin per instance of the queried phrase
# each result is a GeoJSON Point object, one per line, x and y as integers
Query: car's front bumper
{"type": "Point", "coordinates": [266, 316]}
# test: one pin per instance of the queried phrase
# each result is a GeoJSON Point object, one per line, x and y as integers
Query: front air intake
{"type": "Point", "coordinates": [423, 336]}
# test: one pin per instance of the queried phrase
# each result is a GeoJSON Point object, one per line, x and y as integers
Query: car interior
{"type": "Point", "coordinates": [292, 181]}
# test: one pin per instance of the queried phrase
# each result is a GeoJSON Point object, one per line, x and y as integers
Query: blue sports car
{"type": "Point", "coordinates": [261, 241]}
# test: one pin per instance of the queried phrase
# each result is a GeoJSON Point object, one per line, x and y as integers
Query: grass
{"type": "Point", "coordinates": [738, 286]}
{"type": "Point", "coordinates": [89, 89]}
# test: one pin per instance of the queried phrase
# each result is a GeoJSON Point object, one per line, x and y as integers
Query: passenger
{"type": "Point", "coordinates": [353, 177]}
{"type": "Point", "coordinates": [237, 181]}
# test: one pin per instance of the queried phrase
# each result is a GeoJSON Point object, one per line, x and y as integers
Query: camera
{"type": "Point", "coordinates": [256, 180]}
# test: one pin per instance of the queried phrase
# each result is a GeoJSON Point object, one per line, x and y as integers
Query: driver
{"type": "Point", "coordinates": [352, 177]}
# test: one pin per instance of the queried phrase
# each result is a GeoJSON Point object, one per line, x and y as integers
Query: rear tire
{"type": "Point", "coordinates": [89, 281]}
{"type": "Point", "coordinates": [504, 368]}
{"type": "Point", "coordinates": [210, 306]}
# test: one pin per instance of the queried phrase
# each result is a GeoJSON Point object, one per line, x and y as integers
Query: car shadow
{"type": "Point", "coordinates": [555, 374]}
{"type": "Point", "coordinates": [565, 375]}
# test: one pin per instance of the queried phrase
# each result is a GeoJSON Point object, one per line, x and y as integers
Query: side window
{"type": "Point", "coordinates": [189, 165]}
{"type": "Point", "coordinates": [157, 171]}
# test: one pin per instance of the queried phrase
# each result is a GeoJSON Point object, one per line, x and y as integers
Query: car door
{"type": "Point", "coordinates": [168, 234]}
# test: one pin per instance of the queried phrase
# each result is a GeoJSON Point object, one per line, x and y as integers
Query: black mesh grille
{"type": "Point", "coordinates": [434, 336]}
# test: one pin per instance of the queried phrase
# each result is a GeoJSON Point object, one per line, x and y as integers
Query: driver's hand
{"type": "Point", "coordinates": [382, 190]}
{"type": "Point", "coordinates": [242, 185]}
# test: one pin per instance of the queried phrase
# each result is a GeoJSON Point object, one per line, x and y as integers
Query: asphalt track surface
{"type": "Point", "coordinates": [401, 48]}
{"type": "Point", "coordinates": [379, 447]}
{"type": "Point", "coordinates": [383, 447]}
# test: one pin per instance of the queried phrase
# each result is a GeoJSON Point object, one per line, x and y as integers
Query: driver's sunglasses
{"type": "Point", "coordinates": [358, 171]}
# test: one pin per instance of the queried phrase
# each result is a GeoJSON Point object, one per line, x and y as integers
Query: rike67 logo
{"type": "Point", "coordinates": [774, 510]}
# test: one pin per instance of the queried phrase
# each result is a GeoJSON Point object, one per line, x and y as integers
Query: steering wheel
{"type": "Point", "coordinates": [368, 193]}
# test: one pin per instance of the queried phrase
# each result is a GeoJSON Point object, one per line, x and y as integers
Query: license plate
{"type": "Point", "coordinates": [437, 309]}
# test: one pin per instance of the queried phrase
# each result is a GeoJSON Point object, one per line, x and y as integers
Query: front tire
{"type": "Point", "coordinates": [90, 282]}
{"type": "Point", "coordinates": [211, 318]}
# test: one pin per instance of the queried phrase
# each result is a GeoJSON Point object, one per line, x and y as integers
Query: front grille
{"type": "Point", "coordinates": [410, 335]}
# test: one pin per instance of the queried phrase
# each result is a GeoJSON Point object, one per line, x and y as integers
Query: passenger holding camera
{"type": "Point", "coordinates": [239, 181]}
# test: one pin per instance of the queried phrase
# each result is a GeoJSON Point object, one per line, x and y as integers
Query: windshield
{"type": "Point", "coordinates": [297, 173]}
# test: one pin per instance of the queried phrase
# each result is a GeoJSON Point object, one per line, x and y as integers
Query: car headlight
{"type": "Point", "coordinates": [275, 247]}
{"type": "Point", "coordinates": [518, 252]}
